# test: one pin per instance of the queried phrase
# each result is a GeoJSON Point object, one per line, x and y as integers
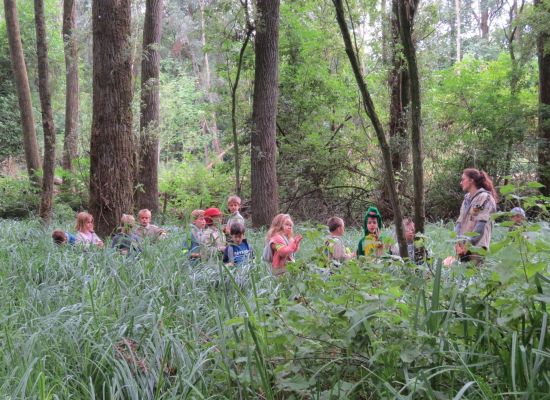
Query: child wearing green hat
{"type": "Point", "coordinates": [371, 244]}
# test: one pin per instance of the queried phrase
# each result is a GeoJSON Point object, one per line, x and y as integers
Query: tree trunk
{"type": "Point", "coordinates": [407, 10]}
{"type": "Point", "coordinates": [234, 87]}
{"type": "Point", "coordinates": [30, 144]}
{"type": "Point", "coordinates": [212, 126]}
{"type": "Point", "coordinates": [368, 106]}
{"type": "Point", "coordinates": [458, 20]}
{"type": "Point", "coordinates": [484, 19]}
{"type": "Point", "coordinates": [112, 144]}
{"type": "Point", "coordinates": [543, 53]}
{"type": "Point", "coordinates": [147, 196]}
{"type": "Point", "coordinates": [399, 100]}
{"type": "Point", "coordinates": [264, 197]}
{"type": "Point", "coordinates": [47, 115]}
{"type": "Point", "coordinates": [72, 86]}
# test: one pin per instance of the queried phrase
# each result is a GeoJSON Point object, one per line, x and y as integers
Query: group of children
{"type": "Point", "coordinates": [127, 239]}
{"type": "Point", "coordinates": [209, 238]}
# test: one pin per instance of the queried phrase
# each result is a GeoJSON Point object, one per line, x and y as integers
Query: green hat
{"type": "Point", "coordinates": [372, 212]}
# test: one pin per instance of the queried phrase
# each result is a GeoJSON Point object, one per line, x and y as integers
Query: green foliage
{"type": "Point", "coordinates": [191, 185]}
{"type": "Point", "coordinates": [157, 327]}
{"type": "Point", "coordinates": [19, 198]}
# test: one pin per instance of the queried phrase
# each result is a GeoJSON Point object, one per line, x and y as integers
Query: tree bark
{"type": "Point", "coordinates": [399, 100]}
{"type": "Point", "coordinates": [212, 125]}
{"type": "Point", "coordinates": [264, 192]}
{"type": "Point", "coordinates": [368, 106]}
{"type": "Point", "coordinates": [407, 10]}
{"type": "Point", "coordinates": [147, 196]}
{"type": "Point", "coordinates": [234, 87]}
{"type": "Point", "coordinates": [72, 88]}
{"type": "Point", "coordinates": [484, 19]}
{"type": "Point", "coordinates": [112, 143]}
{"type": "Point", "coordinates": [19, 68]}
{"type": "Point", "coordinates": [543, 54]}
{"type": "Point", "coordinates": [458, 19]}
{"type": "Point", "coordinates": [47, 115]}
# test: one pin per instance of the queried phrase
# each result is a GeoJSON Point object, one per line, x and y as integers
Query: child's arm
{"type": "Point", "coordinates": [286, 250]}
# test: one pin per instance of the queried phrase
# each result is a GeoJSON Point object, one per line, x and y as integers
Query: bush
{"type": "Point", "coordinates": [192, 185]}
{"type": "Point", "coordinates": [19, 198]}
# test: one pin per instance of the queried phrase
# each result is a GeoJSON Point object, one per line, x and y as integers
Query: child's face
{"type": "Point", "coordinates": [217, 220]}
{"type": "Point", "coordinates": [200, 222]}
{"type": "Point", "coordinates": [287, 227]}
{"type": "Point", "coordinates": [340, 230]}
{"type": "Point", "coordinates": [372, 225]}
{"type": "Point", "coordinates": [409, 232]}
{"type": "Point", "coordinates": [238, 238]}
{"type": "Point", "coordinates": [517, 219]}
{"type": "Point", "coordinates": [145, 219]}
{"type": "Point", "coordinates": [234, 207]}
{"type": "Point", "coordinates": [88, 226]}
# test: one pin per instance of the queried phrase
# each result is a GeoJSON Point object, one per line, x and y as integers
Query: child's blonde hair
{"type": "Point", "coordinates": [81, 219]}
{"type": "Point", "coordinates": [127, 222]}
{"type": "Point", "coordinates": [277, 225]}
{"type": "Point", "coordinates": [143, 212]}
{"type": "Point", "coordinates": [234, 199]}
{"type": "Point", "coordinates": [197, 214]}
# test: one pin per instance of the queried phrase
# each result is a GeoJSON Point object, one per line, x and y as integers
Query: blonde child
{"type": "Point", "coordinates": [282, 242]}
{"type": "Point", "coordinates": [125, 241]}
{"type": "Point", "coordinates": [234, 205]}
{"type": "Point", "coordinates": [196, 235]}
{"type": "Point", "coordinates": [85, 230]}
{"type": "Point", "coordinates": [146, 229]}
{"type": "Point", "coordinates": [334, 246]}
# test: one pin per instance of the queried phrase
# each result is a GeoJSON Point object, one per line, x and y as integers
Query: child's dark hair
{"type": "Point", "coordinates": [334, 223]}
{"type": "Point", "coordinates": [237, 228]}
{"type": "Point", "coordinates": [59, 237]}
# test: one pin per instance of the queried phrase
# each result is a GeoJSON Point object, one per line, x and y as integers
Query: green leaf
{"type": "Point", "coordinates": [535, 185]}
{"type": "Point", "coordinates": [507, 189]}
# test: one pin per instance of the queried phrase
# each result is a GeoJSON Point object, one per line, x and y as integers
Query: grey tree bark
{"type": "Point", "coordinates": [19, 68]}
{"type": "Point", "coordinates": [148, 196]}
{"type": "Point", "coordinates": [112, 143]}
{"type": "Point", "coordinates": [48, 126]}
{"type": "Point", "coordinates": [264, 191]}
{"type": "Point", "coordinates": [72, 88]}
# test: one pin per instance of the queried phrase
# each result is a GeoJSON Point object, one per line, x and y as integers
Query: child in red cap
{"type": "Point", "coordinates": [213, 237]}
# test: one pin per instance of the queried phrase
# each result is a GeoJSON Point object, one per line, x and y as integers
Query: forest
{"type": "Point", "coordinates": [305, 123]}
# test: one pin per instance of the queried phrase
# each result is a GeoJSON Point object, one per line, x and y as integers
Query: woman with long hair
{"type": "Point", "coordinates": [478, 205]}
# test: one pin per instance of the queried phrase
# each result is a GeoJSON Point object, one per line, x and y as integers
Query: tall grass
{"type": "Point", "coordinates": [91, 323]}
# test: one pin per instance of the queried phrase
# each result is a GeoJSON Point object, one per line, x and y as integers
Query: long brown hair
{"type": "Point", "coordinates": [482, 180]}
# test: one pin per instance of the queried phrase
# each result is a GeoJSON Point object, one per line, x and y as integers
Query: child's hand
{"type": "Point", "coordinates": [100, 244]}
{"type": "Point", "coordinates": [298, 239]}
{"type": "Point", "coordinates": [449, 261]}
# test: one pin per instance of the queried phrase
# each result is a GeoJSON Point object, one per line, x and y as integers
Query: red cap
{"type": "Point", "coordinates": [212, 212]}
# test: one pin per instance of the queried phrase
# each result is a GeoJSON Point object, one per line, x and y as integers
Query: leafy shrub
{"type": "Point", "coordinates": [192, 185]}
{"type": "Point", "coordinates": [19, 198]}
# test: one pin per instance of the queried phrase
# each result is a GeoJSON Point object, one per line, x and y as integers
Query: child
{"type": "Point", "coordinates": [213, 238]}
{"type": "Point", "coordinates": [334, 246]}
{"type": "Point", "coordinates": [62, 237]}
{"type": "Point", "coordinates": [371, 244]}
{"type": "Point", "coordinates": [125, 241]}
{"type": "Point", "coordinates": [237, 252]}
{"type": "Point", "coordinates": [146, 229]}
{"type": "Point", "coordinates": [234, 205]}
{"type": "Point", "coordinates": [282, 242]}
{"type": "Point", "coordinates": [518, 217]}
{"type": "Point", "coordinates": [85, 230]}
{"type": "Point", "coordinates": [415, 254]}
{"type": "Point", "coordinates": [195, 236]}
